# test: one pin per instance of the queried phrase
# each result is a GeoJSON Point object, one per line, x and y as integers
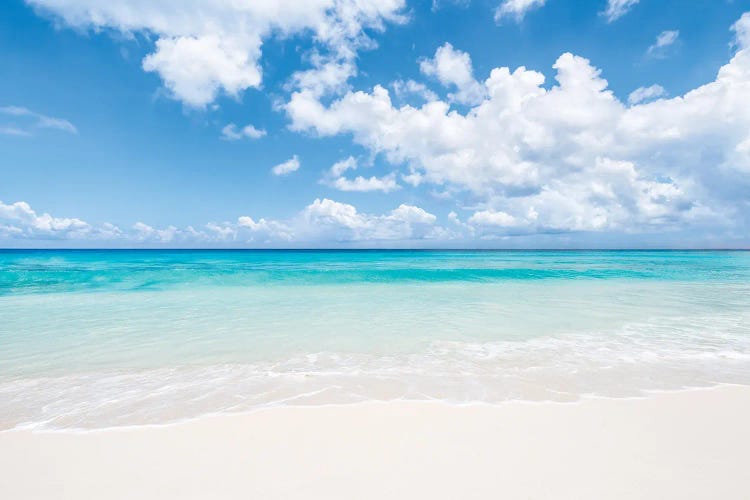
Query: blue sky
{"type": "Point", "coordinates": [394, 122]}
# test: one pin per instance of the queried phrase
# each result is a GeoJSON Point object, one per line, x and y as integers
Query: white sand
{"type": "Point", "coordinates": [683, 445]}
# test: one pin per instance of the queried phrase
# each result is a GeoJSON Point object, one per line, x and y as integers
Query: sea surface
{"type": "Point", "coordinates": [94, 339]}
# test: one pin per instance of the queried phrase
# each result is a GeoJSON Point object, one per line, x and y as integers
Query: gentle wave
{"type": "Point", "coordinates": [101, 339]}
{"type": "Point", "coordinates": [641, 358]}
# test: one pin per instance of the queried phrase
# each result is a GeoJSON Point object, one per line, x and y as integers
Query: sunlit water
{"type": "Point", "coordinates": [97, 339]}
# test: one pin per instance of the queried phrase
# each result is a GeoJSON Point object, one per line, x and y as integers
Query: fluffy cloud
{"type": "Point", "coordinates": [264, 230]}
{"type": "Point", "coordinates": [618, 8]}
{"type": "Point", "coordinates": [516, 9]}
{"type": "Point", "coordinates": [643, 94]}
{"type": "Point", "coordinates": [338, 168]}
{"type": "Point", "coordinates": [232, 132]}
{"type": "Point", "coordinates": [207, 47]}
{"type": "Point", "coordinates": [413, 215]}
{"type": "Point", "coordinates": [664, 40]}
{"type": "Point", "coordinates": [492, 218]}
{"type": "Point", "coordinates": [194, 69]}
{"type": "Point", "coordinates": [742, 31]}
{"type": "Point", "coordinates": [336, 179]}
{"type": "Point", "coordinates": [331, 220]}
{"type": "Point", "coordinates": [571, 157]}
{"type": "Point", "coordinates": [404, 89]}
{"type": "Point", "coordinates": [323, 221]}
{"type": "Point", "coordinates": [19, 220]}
{"type": "Point", "coordinates": [287, 167]}
{"type": "Point", "coordinates": [453, 68]}
{"type": "Point", "coordinates": [144, 232]}
{"type": "Point", "coordinates": [363, 184]}
{"type": "Point", "coordinates": [26, 121]}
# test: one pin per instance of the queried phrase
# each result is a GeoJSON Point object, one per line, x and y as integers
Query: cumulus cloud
{"type": "Point", "coordinates": [232, 132]}
{"type": "Point", "coordinates": [570, 157]}
{"type": "Point", "coordinates": [405, 89]}
{"type": "Point", "coordinates": [363, 184]}
{"type": "Point", "coordinates": [618, 8]}
{"type": "Point", "coordinates": [516, 9]}
{"type": "Point", "coordinates": [742, 31]}
{"type": "Point", "coordinates": [27, 121]}
{"type": "Point", "coordinates": [412, 214]}
{"type": "Point", "coordinates": [336, 179]}
{"type": "Point", "coordinates": [19, 221]}
{"type": "Point", "coordinates": [664, 40]}
{"type": "Point", "coordinates": [321, 222]}
{"type": "Point", "coordinates": [492, 218]}
{"type": "Point", "coordinates": [643, 94]}
{"type": "Point", "coordinates": [332, 220]}
{"type": "Point", "coordinates": [264, 230]}
{"type": "Point", "coordinates": [144, 232]}
{"type": "Point", "coordinates": [287, 167]}
{"type": "Point", "coordinates": [453, 69]}
{"type": "Point", "coordinates": [207, 47]}
{"type": "Point", "coordinates": [338, 168]}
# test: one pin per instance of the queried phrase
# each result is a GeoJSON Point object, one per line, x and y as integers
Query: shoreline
{"type": "Point", "coordinates": [582, 398]}
{"type": "Point", "coordinates": [691, 443]}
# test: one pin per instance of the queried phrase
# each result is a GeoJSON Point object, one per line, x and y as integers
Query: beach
{"type": "Point", "coordinates": [375, 249]}
{"type": "Point", "coordinates": [687, 444]}
{"type": "Point", "coordinates": [375, 374]}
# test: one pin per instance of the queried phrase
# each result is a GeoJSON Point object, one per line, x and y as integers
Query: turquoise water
{"type": "Point", "coordinates": [103, 338]}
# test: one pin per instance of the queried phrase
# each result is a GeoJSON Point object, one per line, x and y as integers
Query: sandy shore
{"type": "Point", "coordinates": [683, 445]}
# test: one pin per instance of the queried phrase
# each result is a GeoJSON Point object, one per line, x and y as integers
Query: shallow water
{"type": "Point", "coordinates": [100, 338]}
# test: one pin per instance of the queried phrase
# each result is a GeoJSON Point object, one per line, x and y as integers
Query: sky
{"type": "Point", "coordinates": [375, 123]}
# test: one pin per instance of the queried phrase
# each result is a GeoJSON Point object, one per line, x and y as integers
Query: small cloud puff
{"type": "Point", "coordinates": [287, 167]}
{"type": "Point", "coordinates": [664, 40]}
{"type": "Point", "coordinates": [232, 132]}
{"type": "Point", "coordinates": [643, 94]}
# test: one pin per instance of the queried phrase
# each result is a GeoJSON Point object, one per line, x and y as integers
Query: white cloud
{"type": "Point", "coordinates": [363, 184]}
{"type": "Point", "coordinates": [327, 211]}
{"type": "Point", "coordinates": [570, 157]}
{"type": "Point", "coordinates": [22, 213]}
{"type": "Point", "coordinates": [232, 132]}
{"type": "Point", "coordinates": [342, 166]}
{"type": "Point", "coordinates": [263, 230]}
{"type": "Point", "coordinates": [335, 178]}
{"type": "Point", "coordinates": [742, 31]}
{"type": "Point", "coordinates": [664, 40]}
{"type": "Point", "coordinates": [144, 232]}
{"type": "Point", "coordinates": [412, 214]}
{"type": "Point", "coordinates": [453, 68]}
{"type": "Point", "coordinates": [327, 74]}
{"type": "Point", "coordinates": [323, 221]}
{"type": "Point", "coordinates": [643, 94]}
{"type": "Point", "coordinates": [516, 9]}
{"type": "Point", "coordinates": [287, 167]}
{"type": "Point", "coordinates": [618, 8]}
{"type": "Point", "coordinates": [194, 69]}
{"type": "Point", "coordinates": [222, 231]}
{"type": "Point", "coordinates": [404, 89]}
{"type": "Point", "coordinates": [492, 218]}
{"type": "Point", "coordinates": [207, 47]}
{"type": "Point", "coordinates": [331, 220]}
{"type": "Point", "coordinates": [19, 220]}
{"type": "Point", "coordinates": [28, 120]}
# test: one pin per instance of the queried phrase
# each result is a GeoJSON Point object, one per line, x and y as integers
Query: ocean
{"type": "Point", "coordinates": [95, 339]}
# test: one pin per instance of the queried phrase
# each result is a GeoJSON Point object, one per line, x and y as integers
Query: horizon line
{"type": "Point", "coordinates": [375, 249]}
